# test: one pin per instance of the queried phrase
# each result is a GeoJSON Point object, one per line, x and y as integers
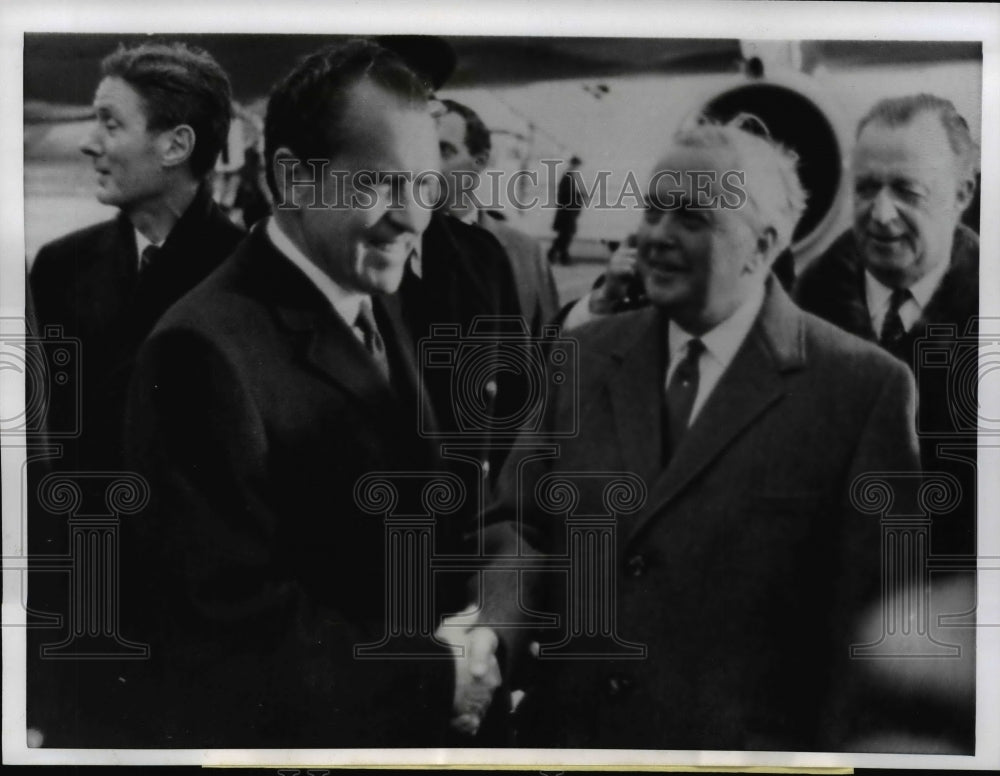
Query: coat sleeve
{"type": "Point", "coordinates": [243, 653]}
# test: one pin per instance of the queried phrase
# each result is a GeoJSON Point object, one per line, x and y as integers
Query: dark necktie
{"type": "Point", "coordinates": [149, 256]}
{"type": "Point", "coordinates": [892, 327]}
{"type": "Point", "coordinates": [374, 344]}
{"type": "Point", "coordinates": [681, 393]}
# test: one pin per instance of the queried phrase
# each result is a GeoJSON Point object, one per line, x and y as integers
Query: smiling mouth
{"type": "Point", "coordinates": [393, 250]}
{"type": "Point", "coordinates": [886, 240]}
{"type": "Point", "coordinates": [666, 268]}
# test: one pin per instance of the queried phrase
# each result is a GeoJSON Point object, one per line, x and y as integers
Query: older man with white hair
{"type": "Point", "coordinates": [733, 589]}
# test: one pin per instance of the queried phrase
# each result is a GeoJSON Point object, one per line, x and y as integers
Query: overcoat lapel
{"type": "Point", "coordinates": [399, 344]}
{"type": "Point", "coordinates": [749, 387]}
{"type": "Point", "coordinates": [857, 318]}
{"type": "Point", "coordinates": [321, 339]}
{"type": "Point", "coordinates": [635, 388]}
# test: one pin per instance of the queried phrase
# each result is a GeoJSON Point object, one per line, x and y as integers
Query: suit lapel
{"type": "Point", "coordinates": [857, 316]}
{"type": "Point", "coordinates": [750, 386]}
{"type": "Point", "coordinates": [636, 393]}
{"type": "Point", "coordinates": [399, 345]}
{"type": "Point", "coordinates": [320, 337]}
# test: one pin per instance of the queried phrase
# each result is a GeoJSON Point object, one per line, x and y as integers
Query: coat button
{"type": "Point", "coordinates": [485, 466]}
{"type": "Point", "coordinates": [635, 566]}
{"type": "Point", "coordinates": [619, 685]}
{"type": "Point", "coordinates": [491, 388]}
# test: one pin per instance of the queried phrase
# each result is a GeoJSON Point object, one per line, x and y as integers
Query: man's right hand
{"type": "Point", "coordinates": [618, 278]}
{"type": "Point", "coordinates": [477, 672]}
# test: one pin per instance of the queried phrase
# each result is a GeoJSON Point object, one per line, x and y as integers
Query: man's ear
{"type": "Point", "coordinates": [283, 169]}
{"type": "Point", "coordinates": [764, 250]}
{"type": "Point", "coordinates": [176, 145]}
{"type": "Point", "coordinates": [966, 192]}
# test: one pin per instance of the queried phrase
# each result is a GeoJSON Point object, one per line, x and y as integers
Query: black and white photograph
{"type": "Point", "coordinates": [541, 386]}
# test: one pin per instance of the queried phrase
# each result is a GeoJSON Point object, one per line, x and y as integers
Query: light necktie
{"type": "Point", "coordinates": [374, 344]}
{"type": "Point", "coordinates": [892, 327]}
{"type": "Point", "coordinates": [681, 393]}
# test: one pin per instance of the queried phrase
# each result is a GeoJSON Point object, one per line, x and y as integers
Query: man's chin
{"type": "Point", "coordinates": [667, 289]}
{"type": "Point", "coordinates": [888, 258]}
{"type": "Point", "coordinates": [384, 281]}
{"type": "Point", "coordinates": [667, 297]}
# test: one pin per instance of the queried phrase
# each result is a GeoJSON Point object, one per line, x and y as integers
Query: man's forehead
{"type": "Point", "coordinates": [450, 125]}
{"type": "Point", "coordinates": [381, 129]}
{"type": "Point", "coordinates": [921, 146]}
{"type": "Point", "coordinates": [116, 90]}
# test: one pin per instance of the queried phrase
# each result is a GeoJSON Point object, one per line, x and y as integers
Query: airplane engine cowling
{"type": "Point", "coordinates": [795, 118]}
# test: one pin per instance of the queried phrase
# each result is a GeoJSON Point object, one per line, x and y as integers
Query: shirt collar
{"type": "Point", "coordinates": [142, 242]}
{"type": "Point", "coordinates": [416, 259]}
{"type": "Point", "coordinates": [721, 342]}
{"type": "Point", "coordinates": [877, 294]}
{"type": "Point", "coordinates": [346, 303]}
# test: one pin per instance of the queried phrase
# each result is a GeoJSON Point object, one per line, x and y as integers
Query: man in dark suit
{"type": "Point", "coordinates": [465, 153]}
{"type": "Point", "coordinates": [458, 273]}
{"type": "Point", "coordinates": [260, 404]}
{"type": "Point", "coordinates": [907, 276]}
{"type": "Point", "coordinates": [726, 602]}
{"type": "Point", "coordinates": [568, 206]}
{"type": "Point", "coordinates": [163, 115]}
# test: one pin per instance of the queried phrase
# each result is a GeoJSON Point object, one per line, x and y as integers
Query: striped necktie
{"type": "Point", "coordinates": [892, 327]}
{"type": "Point", "coordinates": [374, 344]}
{"type": "Point", "coordinates": [681, 393]}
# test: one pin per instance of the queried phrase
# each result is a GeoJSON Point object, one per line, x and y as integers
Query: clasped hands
{"type": "Point", "coordinates": [477, 672]}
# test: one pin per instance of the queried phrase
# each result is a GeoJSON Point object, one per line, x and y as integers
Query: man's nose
{"type": "Point", "coordinates": [883, 208]}
{"type": "Point", "coordinates": [412, 213]}
{"type": "Point", "coordinates": [90, 145]}
{"type": "Point", "coordinates": [661, 230]}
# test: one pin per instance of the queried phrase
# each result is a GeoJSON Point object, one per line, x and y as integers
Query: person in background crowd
{"type": "Point", "coordinates": [568, 204]}
{"type": "Point", "coordinates": [465, 153]}
{"type": "Point", "coordinates": [906, 275]}
{"type": "Point", "coordinates": [459, 273]}
{"type": "Point", "coordinates": [162, 116]}
{"type": "Point", "coordinates": [251, 198]}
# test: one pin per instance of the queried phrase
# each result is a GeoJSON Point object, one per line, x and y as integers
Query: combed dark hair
{"type": "Point", "coordinates": [899, 111]}
{"type": "Point", "coordinates": [306, 109]}
{"type": "Point", "coordinates": [179, 84]}
{"type": "Point", "coordinates": [477, 135]}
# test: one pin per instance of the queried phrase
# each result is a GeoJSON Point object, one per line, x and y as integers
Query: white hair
{"type": "Point", "coordinates": [772, 182]}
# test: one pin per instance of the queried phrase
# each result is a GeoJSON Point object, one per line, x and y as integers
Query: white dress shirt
{"type": "Point", "coordinates": [878, 295]}
{"type": "Point", "coordinates": [721, 344]}
{"type": "Point", "coordinates": [345, 303]}
{"type": "Point", "coordinates": [141, 243]}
